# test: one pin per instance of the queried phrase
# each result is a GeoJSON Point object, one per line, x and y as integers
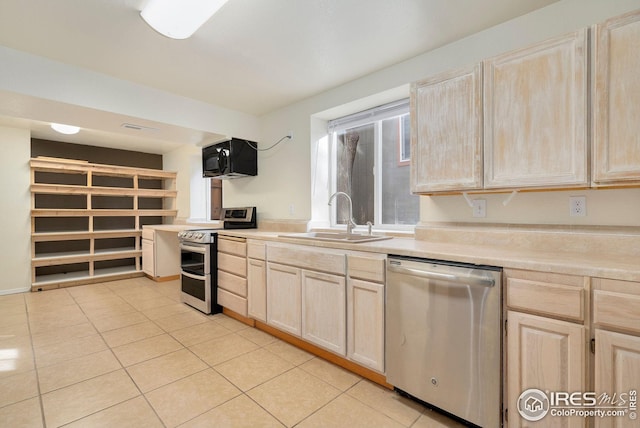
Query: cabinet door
{"type": "Point", "coordinates": [616, 100]}
{"type": "Point", "coordinates": [283, 298]}
{"type": "Point", "coordinates": [148, 258]}
{"type": "Point", "coordinates": [365, 329]}
{"type": "Point", "coordinates": [324, 312]}
{"type": "Point", "coordinates": [617, 371]}
{"type": "Point", "coordinates": [545, 354]}
{"type": "Point", "coordinates": [535, 107]}
{"type": "Point", "coordinates": [446, 132]}
{"type": "Point", "coordinates": [257, 289]}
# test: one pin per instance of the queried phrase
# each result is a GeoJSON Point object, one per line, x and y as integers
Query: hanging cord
{"type": "Point", "coordinates": [268, 148]}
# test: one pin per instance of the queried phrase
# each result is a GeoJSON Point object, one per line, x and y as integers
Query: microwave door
{"type": "Point", "coordinates": [223, 161]}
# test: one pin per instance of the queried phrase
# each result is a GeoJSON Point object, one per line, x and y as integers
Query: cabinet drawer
{"type": "Point", "coordinates": [256, 250]}
{"type": "Point", "coordinates": [616, 304]}
{"type": "Point", "coordinates": [560, 295]}
{"type": "Point", "coordinates": [239, 248]}
{"type": "Point", "coordinates": [232, 264]}
{"type": "Point", "coordinates": [232, 283]}
{"type": "Point", "coordinates": [231, 301]}
{"type": "Point", "coordinates": [307, 257]}
{"type": "Point", "coordinates": [369, 267]}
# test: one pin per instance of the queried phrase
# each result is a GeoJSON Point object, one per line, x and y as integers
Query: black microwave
{"type": "Point", "coordinates": [230, 159]}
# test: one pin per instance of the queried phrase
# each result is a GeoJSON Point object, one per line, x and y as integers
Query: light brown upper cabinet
{"type": "Point", "coordinates": [535, 115]}
{"type": "Point", "coordinates": [616, 101]}
{"type": "Point", "coordinates": [446, 132]}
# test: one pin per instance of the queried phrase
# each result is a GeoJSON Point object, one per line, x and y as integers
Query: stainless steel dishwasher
{"type": "Point", "coordinates": [444, 336]}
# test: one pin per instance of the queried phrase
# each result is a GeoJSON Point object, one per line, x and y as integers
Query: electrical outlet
{"type": "Point", "coordinates": [577, 206]}
{"type": "Point", "coordinates": [290, 135]}
{"type": "Point", "coordinates": [292, 209]}
{"type": "Point", "coordinates": [479, 208]}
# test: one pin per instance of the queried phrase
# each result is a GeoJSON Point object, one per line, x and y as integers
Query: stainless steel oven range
{"type": "Point", "coordinates": [198, 265]}
{"type": "Point", "coordinates": [199, 259]}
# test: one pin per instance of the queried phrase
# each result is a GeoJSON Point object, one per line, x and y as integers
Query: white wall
{"type": "Point", "coordinates": [32, 76]}
{"type": "Point", "coordinates": [15, 223]}
{"type": "Point", "coordinates": [192, 191]}
{"type": "Point", "coordinates": [281, 188]}
{"type": "Point", "coordinates": [287, 175]}
{"type": "Point", "coordinates": [616, 207]}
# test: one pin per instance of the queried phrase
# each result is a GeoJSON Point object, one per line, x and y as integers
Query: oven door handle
{"type": "Point", "coordinates": [192, 276]}
{"type": "Point", "coordinates": [199, 250]}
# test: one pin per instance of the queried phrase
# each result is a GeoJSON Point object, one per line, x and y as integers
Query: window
{"type": "Point", "coordinates": [370, 162]}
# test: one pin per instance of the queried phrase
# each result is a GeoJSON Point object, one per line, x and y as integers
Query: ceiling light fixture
{"type": "Point", "coordinates": [65, 129]}
{"type": "Point", "coordinates": [179, 19]}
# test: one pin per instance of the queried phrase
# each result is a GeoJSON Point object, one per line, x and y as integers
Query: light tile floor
{"type": "Point", "coordinates": [129, 354]}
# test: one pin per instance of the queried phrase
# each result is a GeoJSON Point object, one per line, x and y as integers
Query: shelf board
{"type": "Point", "coordinates": [70, 189]}
{"type": "Point", "coordinates": [74, 167]}
{"type": "Point", "coordinates": [69, 257]}
{"type": "Point", "coordinates": [83, 277]}
{"type": "Point", "coordinates": [85, 234]}
{"type": "Point", "coordinates": [55, 212]}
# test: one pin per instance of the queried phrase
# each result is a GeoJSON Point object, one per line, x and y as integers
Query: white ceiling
{"type": "Point", "coordinates": [253, 56]}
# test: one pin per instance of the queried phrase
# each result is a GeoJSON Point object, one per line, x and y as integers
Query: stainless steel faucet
{"type": "Point", "coordinates": [350, 222]}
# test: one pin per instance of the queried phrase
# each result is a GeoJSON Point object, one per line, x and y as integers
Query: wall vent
{"type": "Point", "coordinates": [138, 127]}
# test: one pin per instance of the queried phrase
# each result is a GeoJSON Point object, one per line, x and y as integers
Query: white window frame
{"type": "Point", "coordinates": [375, 115]}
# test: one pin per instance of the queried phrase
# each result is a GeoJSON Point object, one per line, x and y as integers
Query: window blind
{"type": "Point", "coordinates": [385, 111]}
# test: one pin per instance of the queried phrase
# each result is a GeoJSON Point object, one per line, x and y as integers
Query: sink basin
{"type": "Point", "coordinates": [337, 236]}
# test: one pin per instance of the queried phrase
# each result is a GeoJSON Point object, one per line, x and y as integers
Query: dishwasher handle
{"type": "Point", "coordinates": [469, 279]}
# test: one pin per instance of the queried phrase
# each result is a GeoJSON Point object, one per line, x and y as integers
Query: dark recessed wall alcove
{"type": "Point", "coordinates": [94, 154]}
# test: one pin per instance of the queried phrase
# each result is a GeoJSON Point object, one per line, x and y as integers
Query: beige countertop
{"type": "Point", "coordinates": [180, 227]}
{"type": "Point", "coordinates": [593, 264]}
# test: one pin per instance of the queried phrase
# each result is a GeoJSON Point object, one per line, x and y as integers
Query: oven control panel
{"type": "Point", "coordinates": [197, 236]}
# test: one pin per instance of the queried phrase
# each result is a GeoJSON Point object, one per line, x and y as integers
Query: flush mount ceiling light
{"type": "Point", "coordinates": [65, 129]}
{"type": "Point", "coordinates": [179, 19]}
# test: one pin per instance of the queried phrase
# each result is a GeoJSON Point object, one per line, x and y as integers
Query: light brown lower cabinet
{"type": "Point", "coordinates": [232, 274]}
{"type": "Point", "coordinates": [546, 340]}
{"type": "Point", "coordinates": [257, 289]}
{"type": "Point", "coordinates": [365, 327]}
{"type": "Point", "coordinates": [617, 371]}
{"type": "Point", "coordinates": [616, 318]}
{"type": "Point", "coordinates": [562, 346]}
{"type": "Point", "coordinates": [324, 312]}
{"type": "Point", "coordinates": [545, 354]}
{"type": "Point", "coordinates": [365, 309]}
{"type": "Point", "coordinates": [284, 290]}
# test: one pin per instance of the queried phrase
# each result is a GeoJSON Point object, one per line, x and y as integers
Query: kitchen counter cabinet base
{"type": "Point", "coordinates": [324, 312]}
{"type": "Point", "coordinates": [232, 274]}
{"type": "Point", "coordinates": [617, 370]}
{"type": "Point", "coordinates": [373, 376]}
{"type": "Point", "coordinates": [284, 294]}
{"type": "Point", "coordinates": [546, 354]}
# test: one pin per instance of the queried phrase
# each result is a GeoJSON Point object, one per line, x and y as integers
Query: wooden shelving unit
{"type": "Point", "coordinates": [86, 219]}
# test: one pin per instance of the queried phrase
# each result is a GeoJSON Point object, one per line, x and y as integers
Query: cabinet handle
{"type": "Point", "coordinates": [453, 279]}
{"type": "Point", "coordinates": [593, 346]}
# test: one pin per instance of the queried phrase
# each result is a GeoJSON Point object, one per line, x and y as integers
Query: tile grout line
{"type": "Point", "coordinates": [122, 367]}
{"type": "Point", "coordinates": [35, 365]}
{"type": "Point", "coordinates": [222, 322]}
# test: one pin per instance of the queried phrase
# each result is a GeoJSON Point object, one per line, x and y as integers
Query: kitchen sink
{"type": "Point", "coordinates": [337, 236]}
